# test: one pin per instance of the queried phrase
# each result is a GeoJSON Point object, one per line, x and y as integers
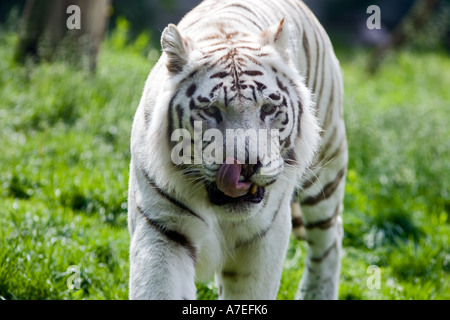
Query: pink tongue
{"type": "Point", "coordinates": [228, 179]}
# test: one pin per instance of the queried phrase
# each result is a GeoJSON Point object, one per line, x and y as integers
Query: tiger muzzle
{"type": "Point", "coordinates": [233, 185]}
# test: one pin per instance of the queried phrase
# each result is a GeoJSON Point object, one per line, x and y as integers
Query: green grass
{"type": "Point", "coordinates": [64, 174]}
{"type": "Point", "coordinates": [64, 141]}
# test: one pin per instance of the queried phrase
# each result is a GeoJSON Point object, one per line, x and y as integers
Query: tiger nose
{"type": "Point", "coordinates": [249, 169]}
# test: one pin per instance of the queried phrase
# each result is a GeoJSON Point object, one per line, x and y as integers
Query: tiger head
{"type": "Point", "coordinates": [230, 87]}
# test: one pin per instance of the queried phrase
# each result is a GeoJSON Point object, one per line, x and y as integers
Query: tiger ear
{"type": "Point", "coordinates": [277, 36]}
{"type": "Point", "coordinates": [176, 48]}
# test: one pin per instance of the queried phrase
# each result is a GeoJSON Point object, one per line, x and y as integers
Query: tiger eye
{"type": "Point", "coordinates": [212, 110]}
{"type": "Point", "coordinates": [268, 108]}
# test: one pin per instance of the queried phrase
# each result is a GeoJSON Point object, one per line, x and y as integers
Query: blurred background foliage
{"type": "Point", "coordinates": [64, 155]}
{"type": "Point", "coordinates": [344, 20]}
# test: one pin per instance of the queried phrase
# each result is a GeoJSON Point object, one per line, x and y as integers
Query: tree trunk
{"type": "Point", "coordinates": [416, 18]}
{"type": "Point", "coordinates": [45, 33]}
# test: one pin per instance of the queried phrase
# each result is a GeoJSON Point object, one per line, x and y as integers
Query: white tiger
{"type": "Point", "coordinates": [254, 64]}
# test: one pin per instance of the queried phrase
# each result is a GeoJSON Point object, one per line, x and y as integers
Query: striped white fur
{"type": "Point", "coordinates": [240, 65]}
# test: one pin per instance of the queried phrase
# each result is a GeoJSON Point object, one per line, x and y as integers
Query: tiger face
{"type": "Point", "coordinates": [245, 109]}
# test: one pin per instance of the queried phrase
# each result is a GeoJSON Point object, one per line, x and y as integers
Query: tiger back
{"type": "Point", "coordinates": [239, 135]}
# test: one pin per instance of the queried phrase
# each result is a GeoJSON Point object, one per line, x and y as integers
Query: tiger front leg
{"type": "Point", "coordinates": [253, 271]}
{"type": "Point", "coordinates": [324, 235]}
{"type": "Point", "coordinates": [162, 265]}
